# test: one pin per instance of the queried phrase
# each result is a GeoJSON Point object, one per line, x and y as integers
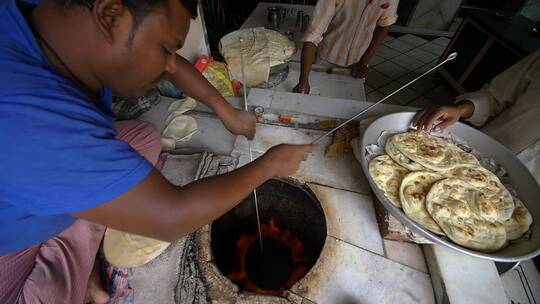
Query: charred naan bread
{"type": "Point", "coordinates": [413, 191]}
{"type": "Point", "coordinates": [453, 204]}
{"type": "Point", "coordinates": [497, 203]}
{"type": "Point", "coordinates": [401, 159]}
{"type": "Point", "coordinates": [431, 152]}
{"type": "Point", "coordinates": [387, 174]}
{"type": "Point", "coordinates": [519, 223]}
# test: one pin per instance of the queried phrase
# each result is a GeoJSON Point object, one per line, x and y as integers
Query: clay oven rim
{"type": "Point", "coordinates": [309, 223]}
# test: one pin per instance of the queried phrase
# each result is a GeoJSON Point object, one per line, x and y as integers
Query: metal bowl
{"type": "Point", "coordinates": [521, 179]}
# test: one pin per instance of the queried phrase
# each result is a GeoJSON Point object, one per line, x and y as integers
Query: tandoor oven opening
{"type": "Point", "coordinates": [293, 229]}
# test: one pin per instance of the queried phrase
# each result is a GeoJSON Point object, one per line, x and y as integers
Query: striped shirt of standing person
{"type": "Point", "coordinates": [342, 29]}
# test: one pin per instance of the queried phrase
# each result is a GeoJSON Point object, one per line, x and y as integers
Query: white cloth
{"type": "Point", "coordinates": [508, 109]}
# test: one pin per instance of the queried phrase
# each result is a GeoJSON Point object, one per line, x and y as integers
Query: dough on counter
{"type": "Point", "coordinates": [182, 106]}
{"type": "Point", "coordinates": [388, 175]}
{"type": "Point", "coordinates": [413, 191]}
{"type": "Point", "coordinates": [129, 250]}
{"type": "Point", "coordinates": [180, 128]}
{"type": "Point", "coordinates": [167, 144]}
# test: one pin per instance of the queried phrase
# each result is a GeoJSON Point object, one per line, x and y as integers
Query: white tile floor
{"type": "Point", "coordinates": [374, 96]}
{"type": "Point", "coordinates": [443, 41]}
{"type": "Point", "coordinates": [368, 89]}
{"type": "Point", "coordinates": [422, 85]}
{"type": "Point", "coordinates": [391, 69]}
{"type": "Point", "coordinates": [400, 60]}
{"type": "Point", "coordinates": [422, 55]}
{"type": "Point", "coordinates": [387, 52]}
{"type": "Point", "coordinates": [376, 79]}
{"type": "Point", "coordinates": [407, 62]}
{"type": "Point", "coordinates": [433, 48]}
{"type": "Point", "coordinates": [399, 45]}
{"type": "Point", "coordinates": [413, 40]}
{"type": "Point", "coordinates": [377, 59]}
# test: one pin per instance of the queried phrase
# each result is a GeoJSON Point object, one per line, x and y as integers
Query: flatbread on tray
{"type": "Point", "coordinates": [413, 192]}
{"type": "Point", "coordinates": [498, 204]}
{"type": "Point", "coordinates": [387, 174]}
{"type": "Point", "coordinates": [401, 159]}
{"type": "Point", "coordinates": [453, 205]}
{"type": "Point", "coordinates": [446, 190]}
{"type": "Point", "coordinates": [431, 152]}
{"type": "Point", "coordinates": [519, 223]}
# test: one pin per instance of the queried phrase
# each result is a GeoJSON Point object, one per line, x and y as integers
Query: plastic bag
{"type": "Point", "coordinates": [217, 74]}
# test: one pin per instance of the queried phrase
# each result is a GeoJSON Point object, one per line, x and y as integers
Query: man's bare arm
{"type": "Point", "coordinates": [156, 208]}
{"type": "Point", "coordinates": [190, 81]}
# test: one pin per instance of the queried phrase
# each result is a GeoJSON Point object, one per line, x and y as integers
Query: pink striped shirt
{"type": "Point", "coordinates": [342, 29]}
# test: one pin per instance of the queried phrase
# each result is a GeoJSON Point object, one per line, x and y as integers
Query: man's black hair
{"type": "Point", "coordinates": [138, 8]}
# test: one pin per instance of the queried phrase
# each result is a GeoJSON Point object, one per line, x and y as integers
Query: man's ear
{"type": "Point", "coordinates": [106, 13]}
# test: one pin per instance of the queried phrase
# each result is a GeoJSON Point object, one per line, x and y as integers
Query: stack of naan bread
{"type": "Point", "coordinates": [259, 49]}
{"type": "Point", "coordinates": [446, 190]}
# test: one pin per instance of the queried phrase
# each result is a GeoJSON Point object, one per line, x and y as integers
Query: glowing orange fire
{"type": "Point", "coordinates": [270, 229]}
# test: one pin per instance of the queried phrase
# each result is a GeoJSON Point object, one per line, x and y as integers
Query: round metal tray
{"type": "Point", "coordinates": [521, 179]}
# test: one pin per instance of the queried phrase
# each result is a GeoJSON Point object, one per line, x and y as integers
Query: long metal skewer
{"type": "Point", "coordinates": [249, 144]}
{"type": "Point", "coordinates": [450, 57]}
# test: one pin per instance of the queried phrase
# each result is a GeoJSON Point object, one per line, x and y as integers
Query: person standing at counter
{"type": "Point", "coordinates": [507, 109]}
{"type": "Point", "coordinates": [345, 33]}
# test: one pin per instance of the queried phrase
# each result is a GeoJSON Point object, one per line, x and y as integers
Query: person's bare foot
{"type": "Point", "coordinates": [94, 291]}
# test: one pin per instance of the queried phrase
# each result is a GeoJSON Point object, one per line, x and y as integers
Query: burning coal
{"type": "Point", "coordinates": [274, 270]}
